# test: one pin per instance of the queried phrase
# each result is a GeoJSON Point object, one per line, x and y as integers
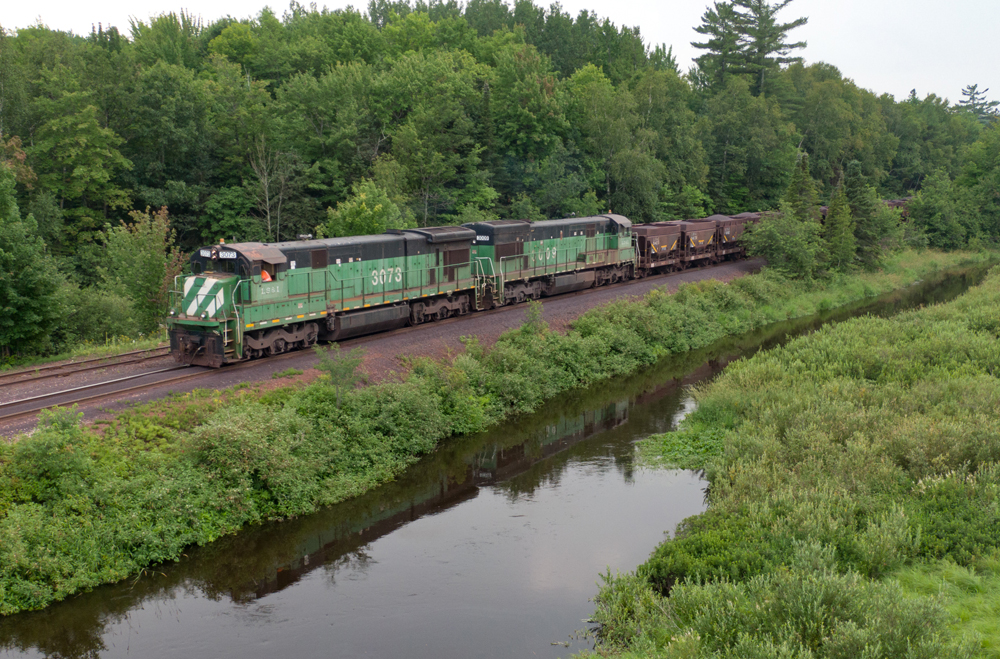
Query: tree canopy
{"type": "Point", "coordinates": [270, 126]}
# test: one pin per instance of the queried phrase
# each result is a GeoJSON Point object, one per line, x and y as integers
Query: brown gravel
{"type": "Point", "coordinates": [443, 339]}
{"type": "Point", "coordinates": [383, 352]}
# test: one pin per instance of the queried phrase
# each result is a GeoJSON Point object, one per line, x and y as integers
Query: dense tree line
{"type": "Point", "coordinates": [343, 122]}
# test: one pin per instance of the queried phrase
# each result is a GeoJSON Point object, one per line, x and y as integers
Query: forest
{"type": "Point", "coordinates": [123, 149]}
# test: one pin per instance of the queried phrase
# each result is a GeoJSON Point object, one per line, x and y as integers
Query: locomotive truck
{"type": "Point", "coordinates": [248, 300]}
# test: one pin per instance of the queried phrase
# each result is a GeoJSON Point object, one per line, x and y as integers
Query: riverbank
{"type": "Point", "coordinates": [84, 506]}
{"type": "Point", "coordinates": [855, 500]}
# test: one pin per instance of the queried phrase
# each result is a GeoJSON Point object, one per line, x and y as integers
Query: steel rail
{"type": "Point", "coordinates": [59, 367]}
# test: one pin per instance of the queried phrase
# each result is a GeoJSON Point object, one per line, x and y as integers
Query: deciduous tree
{"type": "Point", "coordinates": [141, 262]}
{"type": "Point", "coordinates": [30, 300]}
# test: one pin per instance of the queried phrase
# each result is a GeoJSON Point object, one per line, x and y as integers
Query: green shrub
{"type": "Point", "coordinates": [79, 508]}
{"type": "Point", "coordinates": [806, 609]}
{"type": "Point", "coordinates": [875, 443]}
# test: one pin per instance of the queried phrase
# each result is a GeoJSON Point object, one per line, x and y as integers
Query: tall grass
{"type": "Point", "coordinates": [877, 443]}
{"type": "Point", "coordinates": [84, 506]}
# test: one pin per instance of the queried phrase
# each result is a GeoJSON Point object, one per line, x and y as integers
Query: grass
{"type": "Point", "coordinates": [287, 373]}
{"type": "Point", "coordinates": [112, 346]}
{"type": "Point", "coordinates": [84, 506]}
{"type": "Point", "coordinates": [858, 473]}
{"type": "Point", "coordinates": [970, 595]}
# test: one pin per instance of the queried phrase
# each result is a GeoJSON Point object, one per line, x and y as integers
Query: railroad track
{"type": "Point", "coordinates": [11, 378]}
{"type": "Point", "coordinates": [90, 393]}
{"type": "Point", "coordinates": [14, 410]}
{"type": "Point", "coordinates": [24, 407]}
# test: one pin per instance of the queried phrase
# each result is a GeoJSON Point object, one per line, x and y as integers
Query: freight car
{"type": "Point", "coordinates": [248, 300]}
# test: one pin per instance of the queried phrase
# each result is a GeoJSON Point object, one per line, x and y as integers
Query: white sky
{"type": "Point", "coordinates": [884, 45]}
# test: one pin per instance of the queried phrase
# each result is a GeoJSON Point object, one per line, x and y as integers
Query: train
{"type": "Point", "coordinates": [249, 300]}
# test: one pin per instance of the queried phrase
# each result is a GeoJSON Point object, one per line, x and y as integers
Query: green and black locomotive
{"type": "Point", "coordinates": [249, 300]}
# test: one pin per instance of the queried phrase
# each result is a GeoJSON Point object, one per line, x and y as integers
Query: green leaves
{"type": "Point", "coordinates": [875, 438]}
{"type": "Point", "coordinates": [30, 295]}
{"type": "Point", "coordinates": [791, 246]}
{"type": "Point", "coordinates": [76, 159]}
{"type": "Point", "coordinates": [368, 211]}
{"type": "Point", "coordinates": [141, 263]}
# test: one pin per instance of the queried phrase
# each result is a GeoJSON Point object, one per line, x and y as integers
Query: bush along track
{"type": "Point", "coordinates": [84, 506]}
{"type": "Point", "coordinates": [854, 500]}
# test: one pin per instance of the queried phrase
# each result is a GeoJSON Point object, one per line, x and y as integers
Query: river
{"type": "Point", "coordinates": [490, 547]}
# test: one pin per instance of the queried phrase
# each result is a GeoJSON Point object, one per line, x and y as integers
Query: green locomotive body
{"type": "Point", "coordinates": [251, 299]}
{"type": "Point", "coordinates": [532, 259]}
{"type": "Point", "coordinates": [248, 300]}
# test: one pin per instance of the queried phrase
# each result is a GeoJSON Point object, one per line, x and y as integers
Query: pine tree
{"type": "Point", "coordinates": [976, 103]}
{"type": "Point", "coordinates": [838, 232]}
{"type": "Point", "coordinates": [864, 203]}
{"type": "Point", "coordinates": [720, 23]}
{"type": "Point", "coordinates": [763, 39]}
{"type": "Point", "coordinates": [801, 193]}
{"type": "Point", "coordinates": [30, 293]}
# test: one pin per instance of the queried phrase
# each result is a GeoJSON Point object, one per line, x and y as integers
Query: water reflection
{"type": "Point", "coordinates": [503, 533]}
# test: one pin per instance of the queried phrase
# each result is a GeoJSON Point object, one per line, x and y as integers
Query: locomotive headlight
{"type": "Point", "coordinates": [204, 316]}
{"type": "Point", "coordinates": [173, 312]}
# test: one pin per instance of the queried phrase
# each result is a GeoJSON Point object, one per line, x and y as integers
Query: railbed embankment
{"type": "Point", "coordinates": [81, 506]}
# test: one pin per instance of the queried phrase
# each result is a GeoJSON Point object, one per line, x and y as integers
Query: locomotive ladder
{"type": "Point", "coordinates": [481, 279]}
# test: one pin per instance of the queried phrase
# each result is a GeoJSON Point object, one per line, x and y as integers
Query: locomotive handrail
{"type": "Point", "coordinates": [359, 282]}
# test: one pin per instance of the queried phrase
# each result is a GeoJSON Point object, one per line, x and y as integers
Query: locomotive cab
{"type": "Point", "coordinates": [203, 320]}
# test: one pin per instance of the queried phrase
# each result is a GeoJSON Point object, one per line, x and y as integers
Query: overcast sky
{"type": "Point", "coordinates": [884, 45]}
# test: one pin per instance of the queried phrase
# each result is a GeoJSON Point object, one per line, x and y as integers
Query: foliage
{"type": "Point", "coordinates": [876, 230]}
{"type": "Point", "coordinates": [791, 246]}
{"type": "Point", "coordinates": [750, 148]}
{"type": "Point", "coordinates": [763, 44]}
{"type": "Point", "coordinates": [260, 128]}
{"type": "Point", "coordinates": [967, 593]}
{"type": "Point", "coordinates": [938, 213]}
{"type": "Point", "coordinates": [30, 285]}
{"type": "Point", "coordinates": [745, 37]}
{"type": "Point", "coordinates": [141, 263]}
{"type": "Point", "coordinates": [800, 196]}
{"type": "Point", "coordinates": [341, 368]}
{"type": "Point", "coordinates": [807, 609]}
{"type": "Point", "coordinates": [369, 211]}
{"type": "Point", "coordinates": [975, 103]}
{"type": "Point", "coordinates": [77, 159]}
{"type": "Point", "coordinates": [82, 506]}
{"type": "Point", "coordinates": [860, 449]}
{"type": "Point", "coordinates": [838, 232]}
{"type": "Point", "coordinates": [687, 204]}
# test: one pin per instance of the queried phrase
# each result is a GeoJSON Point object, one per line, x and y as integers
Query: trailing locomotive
{"type": "Point", "coordinates": [248, 300]}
